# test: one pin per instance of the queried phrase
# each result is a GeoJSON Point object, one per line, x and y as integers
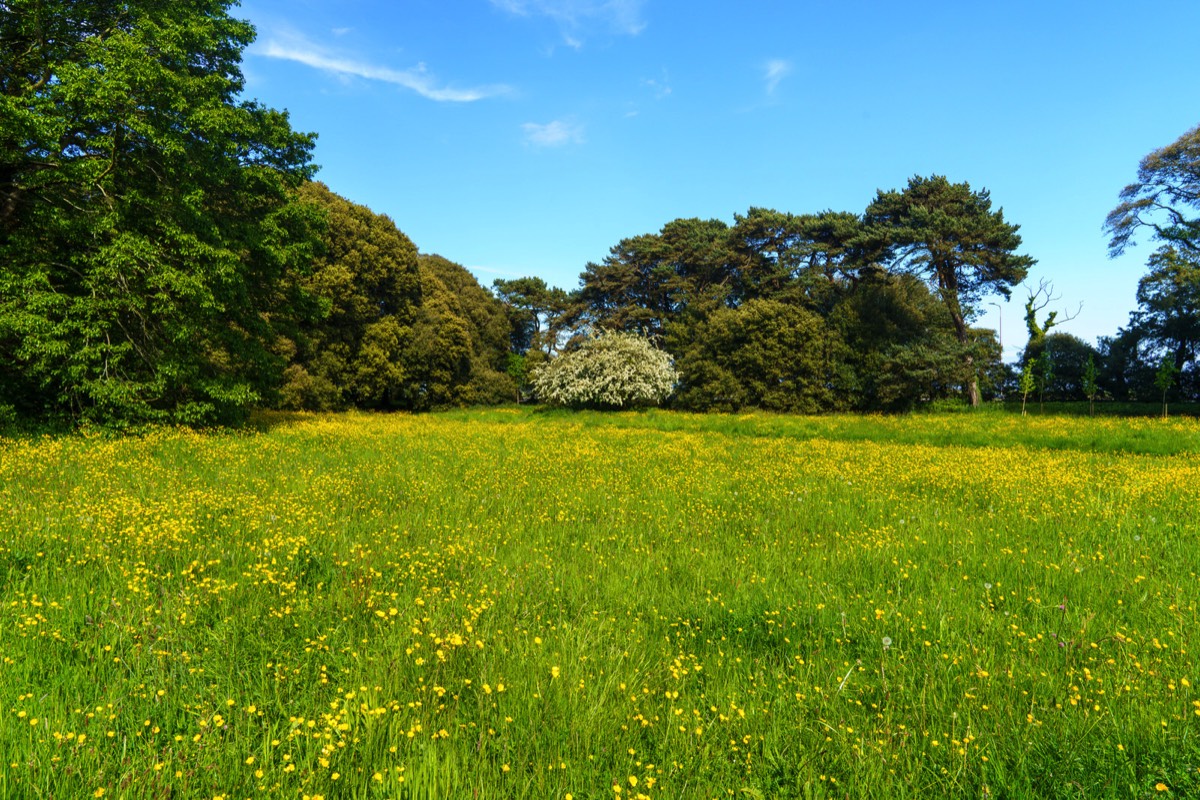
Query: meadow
{"type": "Point", "coordinates": [523, 604]}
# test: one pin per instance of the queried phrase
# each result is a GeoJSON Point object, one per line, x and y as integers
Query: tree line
{"type": "Point", "coordinates": [168, 257]}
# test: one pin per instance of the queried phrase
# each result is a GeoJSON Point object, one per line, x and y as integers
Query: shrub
{"type": "Point", "coordinates": [610, 370]}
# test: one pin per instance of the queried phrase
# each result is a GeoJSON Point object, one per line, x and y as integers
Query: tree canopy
{"type": "Point", "coordinates": [1165, 199]}
{"type": "Point", "coordinates": [949, 234]}
{"type": "Point", "coordinates": [147, 214]}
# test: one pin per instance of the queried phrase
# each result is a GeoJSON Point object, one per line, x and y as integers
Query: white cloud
{"type": "Point", "coordinates": [775, 71]}
{"type": "Point", "coordinates": [661, 86]}
{"type": "Point", "coordinates": [504, 273]}
{"type": "Point", "coordinates": [620, 16]}
{"type": "Point", "coordinates": [293, 47]}
{"type": "Point", "coordinates": [553, 134]}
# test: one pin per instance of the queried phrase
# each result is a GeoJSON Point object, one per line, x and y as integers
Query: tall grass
{"type": "Point", "coordinates": [526, 604]}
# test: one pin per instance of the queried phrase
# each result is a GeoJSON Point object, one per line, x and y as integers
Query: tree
{"type": "Point", "coordinates": [147, 215]}
{"type": "Point", "coordinates": [948, 234]}
{"type": "Point", "coordinates": [487, 332]}
{"type": "Point", "coordinates": [1164, 379]}
{"type": "Point", "coordinates": [536, 313]}
{"type": "Point", "coordinates": [1091, 385]}
{"type": "Point", "coordinates": [1043, 376]}
{"type": "Point", "coordinates": [647, 282]}
{"type": "Point", "coordinates": [899, 341]}
{"type": "Point", "coordinates": [610, 370]}
{"type": "Point", "coordinates": [1069, 356]}
{"type": "Point", "coordinates": [1168, 311]}
{"type": "Point", "coordinates": [1027, 383]}
{"type": "Point", "coordinates": [799, 258]}
{"type": "Point", "coordinates": [367, 282]}
{"type": "Point", "coordinates": [1037, 301]}
{"type": "Point", "coordinates": [764, 354]}
{"type": "Point", "coordinates": [1162, 199]}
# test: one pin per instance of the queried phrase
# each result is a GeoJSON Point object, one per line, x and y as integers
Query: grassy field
{"type": "Point", "coordinates": [506, 603]}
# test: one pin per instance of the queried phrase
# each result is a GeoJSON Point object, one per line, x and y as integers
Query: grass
{"type": "Point", "coordinates": [514, 603]}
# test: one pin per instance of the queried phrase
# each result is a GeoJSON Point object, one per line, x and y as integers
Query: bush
{"type": "Point", "coordinates": [611, 370]}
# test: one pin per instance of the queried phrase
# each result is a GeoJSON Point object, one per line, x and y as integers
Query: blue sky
{"type": "Point", "coordinates": [526, 137]}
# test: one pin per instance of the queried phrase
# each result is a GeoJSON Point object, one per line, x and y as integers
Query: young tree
{"type": "Point", "coordinates": [949, 234]}
{"type": "Point", "coordinates": [1091, 386]}
{"type": "Point", "coordinates": [1027, 383]}
{"type": "Point", "coordinates": [1043, 377]}
{"type": "Point", "coordinates": [1164, 379]}
{"type": "Point", "coordinates": [147, 216]}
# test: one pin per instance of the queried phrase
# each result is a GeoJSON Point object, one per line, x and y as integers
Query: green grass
{"type": "Point", "coordinates": [937, 605]}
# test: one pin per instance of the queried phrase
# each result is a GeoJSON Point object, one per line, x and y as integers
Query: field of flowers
{"type": "Point", "coordinates": [512, 604]}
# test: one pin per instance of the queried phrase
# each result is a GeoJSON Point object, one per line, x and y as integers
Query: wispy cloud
{"type": "Point", "coordinates": [775, 71]}
{"type": "Point", "coordinates": [504, 273]}
{"type": "Point", "coordinates": [660, 86]}
{"type": "Point", "coordinates": [574, 16]}
{"type": "Point", "coordinates": [553, 134]}
{"type": "Point", "coordinates": [294, 47]}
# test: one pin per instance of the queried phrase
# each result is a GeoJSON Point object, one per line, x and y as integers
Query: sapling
{"type": "Point", "coordinates": [1164, 379]}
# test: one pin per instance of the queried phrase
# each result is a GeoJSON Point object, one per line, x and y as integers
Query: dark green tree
{"type": "Point", "coordinates": [487, 334]}
{"type": "Point", "coordinates": [368, 284]}
{"type": "Point", "coordinates": [1168, 312]}
{"type": "Point", "coordinates": [147, 216]}
{"type": "Point", "coordinates": [1165, 199]}
{"type": "Point", "coordinates": [1068, 356]}
{"type": "Point", "coordinates": [536, 313]}
{"type": "Point", "coordinates": [948, 234]}
{"type": "Point", "coordinates": [807, 258]}
{"type": "Point", "coordinates": [763, 354]}
{"type": "Point", "coordinates": [649, 281]}
{"type": "Point", "coordinates": [900, 342]}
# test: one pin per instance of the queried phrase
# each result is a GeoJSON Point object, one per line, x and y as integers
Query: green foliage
{"type": "Point", "coordinates": [610, 370]}
{"type": "Point", "coordinates": [537, 313]}
{"type": "Point", "coordinates": [366, 283]}
{"type": "Point", "coordinates": [949, 234]}
{"type": "Point", "coordinates": [1067, 356]}
{"type": "Point", "coordinates": [146, 213]}
{"type": "Point", "coordinates": [1166, 191]}
{"type": "Point", "coordinates": [1164, 378]}
{"type": "Point", "coordinates": [763, 354]}
{"type": "Point", "coordinates": [1027, 382]}
{"type": "Point", "coordinates": [398, 330]}
{"type": "Point", "coordinates": [484, 355]}
{"type": "Point", "coordinates": [899, 343]}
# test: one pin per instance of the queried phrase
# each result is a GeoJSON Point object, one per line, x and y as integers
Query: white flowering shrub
{"type": "Point", "coordinates": [611, 370]}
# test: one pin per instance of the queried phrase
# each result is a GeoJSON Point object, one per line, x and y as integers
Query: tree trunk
{"type": "Point", "coordinates": [964, 338]}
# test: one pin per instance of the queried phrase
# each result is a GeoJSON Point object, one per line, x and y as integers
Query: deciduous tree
{"type": "Point", "coordinates": [146, 211]}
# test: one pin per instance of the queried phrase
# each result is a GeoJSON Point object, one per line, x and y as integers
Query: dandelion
{"type": "Point", "coordinates": [887, 642]}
